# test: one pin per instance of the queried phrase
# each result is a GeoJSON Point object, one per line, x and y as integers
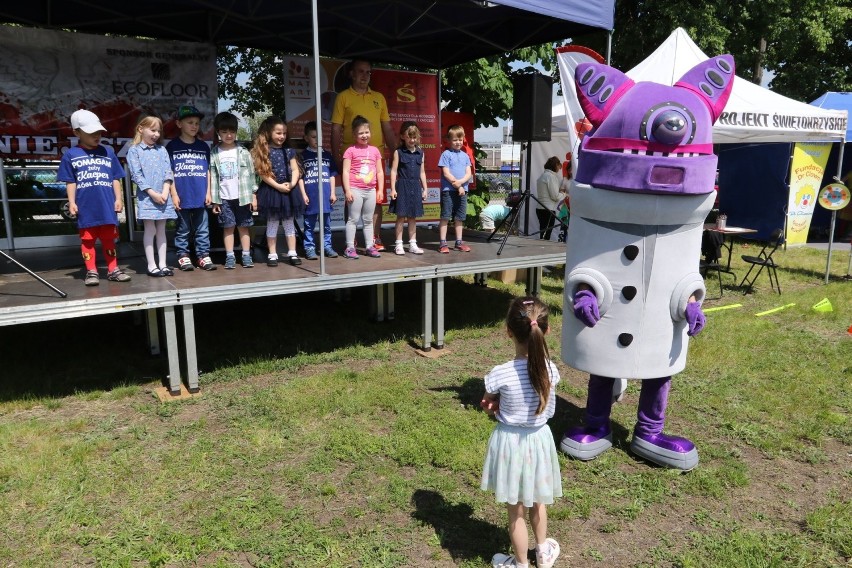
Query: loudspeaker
{"type": "Point", "coordinates": [533, 100]}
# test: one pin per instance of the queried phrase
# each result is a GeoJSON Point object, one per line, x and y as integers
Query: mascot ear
{"type": "Point", "coordinates": [599, 87]}
{"type": "Point", "coordinates": [712, 81]}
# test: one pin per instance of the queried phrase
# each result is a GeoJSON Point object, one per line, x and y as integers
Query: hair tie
{"type": "Point", "coordinates": [533, 322]}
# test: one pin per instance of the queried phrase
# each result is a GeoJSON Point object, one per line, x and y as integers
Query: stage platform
{"type": "Point", "coordinates": [23, 299]}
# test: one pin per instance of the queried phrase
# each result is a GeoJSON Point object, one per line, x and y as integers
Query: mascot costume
{"type": "Point", "coordinates": [643, 187]}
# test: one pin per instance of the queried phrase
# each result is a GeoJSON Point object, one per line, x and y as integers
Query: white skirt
{"type": "Point", "coordinates": [522, 466]}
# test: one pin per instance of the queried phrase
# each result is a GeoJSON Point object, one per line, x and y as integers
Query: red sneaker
{"type": "Point", "coordinates": [462, 247]}
{"type": "Point", "coordinates": [444, 249]}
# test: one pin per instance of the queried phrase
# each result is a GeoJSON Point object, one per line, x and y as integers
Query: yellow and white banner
{"type": "Point", "coordinates": [806, 172]}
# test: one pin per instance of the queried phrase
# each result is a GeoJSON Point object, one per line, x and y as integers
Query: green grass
{"type": "Point", "coordinates": [322, 439]}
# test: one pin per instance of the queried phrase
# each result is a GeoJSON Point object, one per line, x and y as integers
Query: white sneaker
{"type": "Point", "coordinates": [398, 249]}
{"type": "Point", "coordinates": [414, 249]}
{"type": "Point", "coordinates": [548, 558]}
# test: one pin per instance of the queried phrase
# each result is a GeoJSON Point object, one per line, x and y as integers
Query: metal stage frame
{"type": "Point", "coordinates": [25, 300]}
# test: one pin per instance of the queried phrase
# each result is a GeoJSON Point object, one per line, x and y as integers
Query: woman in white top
{"type": "Point", "coordinates": [548, 195]}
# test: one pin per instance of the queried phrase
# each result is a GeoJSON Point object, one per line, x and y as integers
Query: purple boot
{"type": "Point", "coordinates": [589, 441]}
{"type": "Point", "coordinates": [649, 442]}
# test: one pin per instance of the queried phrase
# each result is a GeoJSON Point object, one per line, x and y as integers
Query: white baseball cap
{"type": "Point", "coordinates": [87, 121]}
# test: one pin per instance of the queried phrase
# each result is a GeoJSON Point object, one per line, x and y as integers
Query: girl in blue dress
{"type": "Point", "coordinates": [521, 465]}
{"type": "Point", "coordinates": [279, 197]}
{"type": "Point", "coordinates": [151, 171]}
{"type": "Point", "coordinates": [408, 185]}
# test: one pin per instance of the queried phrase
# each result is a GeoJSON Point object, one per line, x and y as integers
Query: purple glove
{"type": "Point", "coordinates": [586, 308]}
{"type": "Point", "coordinates": [695, 318]}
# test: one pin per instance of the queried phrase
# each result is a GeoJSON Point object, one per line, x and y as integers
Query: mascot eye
{"type": "Point", "coordinates": [669, 127]}
{"type": "Point", "coordinates": [668, 123]}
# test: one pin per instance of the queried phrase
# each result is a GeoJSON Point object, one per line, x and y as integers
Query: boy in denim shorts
{"type": "Point", "coordinates": [456, 173]}
{"type": "Point", "coordinates": [233, 188]}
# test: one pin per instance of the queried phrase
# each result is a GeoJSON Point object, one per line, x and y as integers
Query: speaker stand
{"type": "Point", "coordinates": [512, 217]}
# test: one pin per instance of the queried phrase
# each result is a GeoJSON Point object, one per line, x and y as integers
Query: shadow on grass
{"type": "Point", "coordinates": [469, 393]}
{"type": "Point", "coordinates": [463, 536]}
{"type": "Point", "coordinates": [64, 357]}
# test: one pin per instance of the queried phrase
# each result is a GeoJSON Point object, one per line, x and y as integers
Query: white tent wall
{"type": "Point", "coordinates": [558, 146]}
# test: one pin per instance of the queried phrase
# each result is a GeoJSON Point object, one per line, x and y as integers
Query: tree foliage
{"type": "Point", "coordinates": [803, 44]}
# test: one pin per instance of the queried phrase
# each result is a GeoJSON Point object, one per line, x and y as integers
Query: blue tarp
{"type": "Point", "coordinates": [753, 185]}
{"type": "Point", "coordinates": [837, 101]}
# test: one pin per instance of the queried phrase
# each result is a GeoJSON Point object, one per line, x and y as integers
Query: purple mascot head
{"type": "Point", "coordinates": [649, 137]}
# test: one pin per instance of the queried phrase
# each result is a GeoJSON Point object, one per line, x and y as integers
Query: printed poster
{"type": "Point", "coordinates": [410, 96]}
{"type": "Point", "coordinates": [45, 75]}
{"type": "Point", "coordinates": [806, 173]}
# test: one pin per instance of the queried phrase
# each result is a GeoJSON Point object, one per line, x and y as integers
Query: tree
{"type": "Point", "coordinates": [803, 43]}
{"type": "Point", "coordinates": [252, 79]}
{"type": "Point", "coordinates": [484, 86]}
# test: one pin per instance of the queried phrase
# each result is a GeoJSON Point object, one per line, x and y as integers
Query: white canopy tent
{"type": "Point", "coordinates": [753, 113]}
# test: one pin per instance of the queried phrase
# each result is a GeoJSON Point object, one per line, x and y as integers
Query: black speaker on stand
{"type": "Point", "coordinates": [531, 108]}
{"type": "Point", "coordinates": [531, 120]}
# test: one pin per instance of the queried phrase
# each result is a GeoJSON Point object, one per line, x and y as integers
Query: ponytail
{"type": "Point", "coordinates": [528, 321]}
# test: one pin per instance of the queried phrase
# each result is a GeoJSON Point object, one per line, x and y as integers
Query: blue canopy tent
{"type": "Point", "coordinates": [836, 101]}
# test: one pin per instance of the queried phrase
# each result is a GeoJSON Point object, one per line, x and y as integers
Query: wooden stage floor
{"type": "Point", "coordinates": [23, 299]}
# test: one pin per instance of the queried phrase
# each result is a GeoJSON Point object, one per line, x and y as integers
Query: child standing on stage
{"type": "Point", "coordinates": [456, 173]}
{"type": "Point", "coordinates": [521, 464]}
{"type": "Point", "coordinates": [151, 171]}
{"type": "Point", "coordinates": [408, 185]}
{"type": "Point", "coordinates": [363, 184]}
{"type": "Point", "coordinates": [191, 166]}
{"type": "Point", "coordinates": [309, 185]}
{"type": "Point", "coordinates": [233, 188]}
{"type": "Point", "coordinates": [92, 176]}
{"type": "Point", "coordinates": [279, 197]}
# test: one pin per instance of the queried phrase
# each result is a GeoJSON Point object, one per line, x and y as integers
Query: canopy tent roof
{"type": "Point", "coordinates": [754, 114]}
{"type": "Point", "coordinates": [419, 33]}
{"type": "Point", "coordinates": [837, 101]}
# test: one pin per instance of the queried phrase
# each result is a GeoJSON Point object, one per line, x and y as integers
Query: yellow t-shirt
{"type": "Point", "coordinates": [371, 105]}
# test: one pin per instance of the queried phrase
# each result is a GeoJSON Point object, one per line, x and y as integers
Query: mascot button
{"type": "Point", "coordinates": [629, 292]}
{"type": "Point", "coordinates": [625, 339]}
{"type": "Point", "coordinates": [631, 252]}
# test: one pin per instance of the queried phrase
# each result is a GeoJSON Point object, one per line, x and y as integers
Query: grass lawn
{"type": "Point", "coordinates": [323, 440]}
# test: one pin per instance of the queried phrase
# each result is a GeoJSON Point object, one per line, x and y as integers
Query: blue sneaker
{"type": "Point", "coordinates": [230, 262]}
{"type": "Point", "coordinates": [311, 253]}
{"type": "Point", "coordinates": [247, 261]}
{"type": "Point", "coordinates": [330, 253]}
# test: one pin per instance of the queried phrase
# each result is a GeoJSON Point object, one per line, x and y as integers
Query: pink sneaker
{"type": "Point", "coordinates": [350, 253]}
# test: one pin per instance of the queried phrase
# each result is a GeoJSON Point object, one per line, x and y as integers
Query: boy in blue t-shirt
{"type": "Point", "coordinates": [191, 190]}
{"type": "Point", "coordinates": [456, 173]}
{"type": "Point", "coordinates": [309, 183]}
{"type": "Point", "coordinates": [92, 176]}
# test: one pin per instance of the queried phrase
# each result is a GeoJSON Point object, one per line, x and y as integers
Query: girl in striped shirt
{"type": "Point", "coordinates": [521, 465]}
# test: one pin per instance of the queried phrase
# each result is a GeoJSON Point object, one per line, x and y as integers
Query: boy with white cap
{"type": "Point", "coordinates": [92, 175]}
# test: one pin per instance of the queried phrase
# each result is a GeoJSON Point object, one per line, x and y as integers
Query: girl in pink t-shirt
{"type": "Point", "coordinates": [363, 184]}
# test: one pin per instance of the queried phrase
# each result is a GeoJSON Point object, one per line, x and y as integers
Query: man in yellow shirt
{"type": "Point", "coordinates": [360, 99]}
